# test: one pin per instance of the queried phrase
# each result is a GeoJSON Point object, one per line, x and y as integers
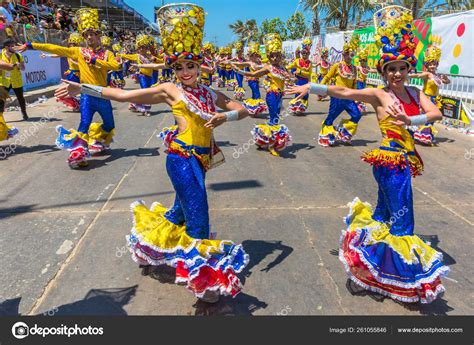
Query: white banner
{"type": "Point", "coordinates": [40, 72]}
{"type": "Point", "coordinates": [455, 32]}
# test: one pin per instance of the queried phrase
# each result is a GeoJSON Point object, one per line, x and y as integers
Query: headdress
{"type": "Point", "coordinates": [394, 36]}
{"type": "Point", "coordinates": [181, 27]}
{"type": "Point", "coordinates": [87, 19]}
{"type": "Point", "coordinates": [273, 43]}
{"type": "Point", "coordinates": [75, 38]}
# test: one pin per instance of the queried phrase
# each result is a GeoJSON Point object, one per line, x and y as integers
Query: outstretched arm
{"type": "Point", "coordinates": [71, 52]}
{"type": "Point", "coordinates": [154, 66]}
{"type": "Point", "coordinates": [256, 74]}
{"type": "Point", "coordinates": [368, 95]}
{"type": "Point", "coordinates": [234, 111]}
{"type": "Point", "coordinates": [160, 94]}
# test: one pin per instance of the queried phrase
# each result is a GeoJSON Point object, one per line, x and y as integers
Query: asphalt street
{"type": "Point", "coordinates": [62, 238]}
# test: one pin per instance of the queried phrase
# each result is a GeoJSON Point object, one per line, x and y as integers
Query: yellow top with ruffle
{"type": "Point", "coordinates": [430, 88]}
{"type": "Point", "coordinates": [397, 149]}
{"type": "Point", "coordinates": [195, 140]}
{"type": "Point", "coordinates": [136, 58]}
{"type": "Point", "coordinates": [303, 72]}
{"type": "Point", "coordinates": [339, 80]}
{"type": "Point", "coordinates": [276, 84]}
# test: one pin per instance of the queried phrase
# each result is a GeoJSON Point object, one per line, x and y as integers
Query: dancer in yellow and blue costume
{"type": "Point", "coordinates": [239, 92]}
{"type": "Point", "coordinates": [255, 104]}
{"type": "Point", "coordinates": [302, 70]}
{"type": "Point", "coordinates": [362, 72]}
{"type": "Point", "coordinates": [431, 82]}
{"type": "Point", "coordinates": [180, 236]}
{"type": "Point", "coordinates": [145, 75]}
{"type": "Point", "coordinates": [345, 74]}
{"type": "Point", "coordinates": [206, 77]}
{"type": "Point", "coordinates": [75, 40]}
{"type": "Point", "coordinates": [273, 135]}
{"type": "Point", "coordinates": [94, 63]}
{"type": "Point", "coordinates": [116, 77]}
{"type": "Point", "coordinates": [379, 249]}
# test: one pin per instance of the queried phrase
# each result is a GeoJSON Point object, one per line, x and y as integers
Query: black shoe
{"type": "Point", "coordinates": [25, 117]}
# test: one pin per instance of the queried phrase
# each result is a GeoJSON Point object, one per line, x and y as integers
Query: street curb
{"type": "Point", "coordinates": [32, 96]}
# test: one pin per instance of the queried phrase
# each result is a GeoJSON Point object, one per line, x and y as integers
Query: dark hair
{"type": "Point", "coordinates": [8, 42]}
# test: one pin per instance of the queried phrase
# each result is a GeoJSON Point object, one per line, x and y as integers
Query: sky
{"type": "Point", "coordinates": [221, 13]}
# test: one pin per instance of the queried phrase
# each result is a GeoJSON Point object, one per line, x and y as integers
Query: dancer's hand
{"type": "Point", "coordinates": [401, 118]}
{"type": "Point", "coordinates": [20, 48]}
{"type": "Point", "coordinates": [303, 90]}
{"type": "Point", "coordinates": [68, 89]}
{"type": "Point", "coordinates": [86, 53]}
{"type": "Point", "coordinates": [217, 120]}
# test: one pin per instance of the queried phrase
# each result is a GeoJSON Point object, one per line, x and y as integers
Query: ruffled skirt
{"type": "Point", "coordinates": [401, 267]}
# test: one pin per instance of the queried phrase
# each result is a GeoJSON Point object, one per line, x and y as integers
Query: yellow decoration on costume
{"type": "Point", "coordinates": [238, 46]}
{"type": "Point", "coordinates": [363, 53]}
{"type": "Point", "coordinates": [75, 38]}
{"type": "Point", "coordinates": [105, 41]}
{"type": "Point", "coordinates": [273, 43]}
{"type": "Point", "coordinates": [96, 132]}
{"type": "Point", "coordinates": [433, 53]}
{"type": "Point", "coordinates": [142, 41]}
{"type": "Point", "coordinates": [352, 45]}
{"type": "Point", "coordinates": [87, 19]}
{"type": "Point", "coordinates": [116, 47]}
{"type": "Point", "coordinates": [167, 235]}
{"type": "Point", "coordinates": [184, 23]}
{"type": "Point", "coordinates": [349, 125]}
{"type": "Point", "coordinates": [254, 48]}
{"type": "Point", "coordinates": [411, 248]}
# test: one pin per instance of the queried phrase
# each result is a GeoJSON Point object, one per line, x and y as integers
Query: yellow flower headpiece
{"type": "Point", "coordinates": [181, 27]}
{"type": "Point", "coordinates": [254, 48]}
{"type": "Point", "coordinates": [208, 46]}
{"type": "Point", "coordinates": [142, 40]}
{"type": "Point", "coordinates": [273, 43]}
{"type": "Point", "coordinates": [75, 38]}
{"type": "Point", "coordinates": [116, 47]}
{"type": "Point", "coordinates": [363, 53]}
{"type": "Point", "coordinates": [433, 53]}
{"type": "Point", "coordinates": [105, 41]}
{"type": "Point", "coordinates": [394, 35]}
{"type": "Point", "coordinates": [306, 45]}
{"type": "Point", "coordinates": [87, 19]}
{"type": "Point", "coordinates": [238, 46]}
{"type": "Point", "coordinates": [352, 45]}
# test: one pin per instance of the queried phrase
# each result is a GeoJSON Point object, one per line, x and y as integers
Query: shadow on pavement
{"type": "Point", "coordinates": [259, 250]}
{"type": "Point", "coordinates": [235, 185]}
{"type": "Point", "coordinates": [290, 151]}
{"type": "Point", "coordinates": [119, 153]}
{"type": "Point", "coordinates": [96, 302]}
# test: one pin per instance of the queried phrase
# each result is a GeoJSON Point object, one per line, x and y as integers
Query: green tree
{"type": "Point", "coordinates": [275, 25]}
{"type": "Point", "coordinates": [245, 31]}
{"type": "Point", "coordinates": [343, 12]}
{"type": "Point", "coordinates": [316, 7]}
{"type": "Point", "coordinates": [296, 26]}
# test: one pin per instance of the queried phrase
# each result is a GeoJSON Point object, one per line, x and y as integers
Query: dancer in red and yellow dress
{"type": "Point", "coordinates": [431, 82]}
{"type": "Point", "coordinates": [379, 249]}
